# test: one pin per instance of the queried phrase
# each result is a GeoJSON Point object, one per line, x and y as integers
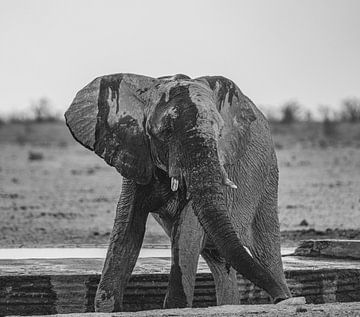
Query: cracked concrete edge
{"type": "Point", "coordinates": [341, 249]}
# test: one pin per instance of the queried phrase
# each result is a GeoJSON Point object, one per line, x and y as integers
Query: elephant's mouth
{"type": "Point", "coordinates": [183, 164]}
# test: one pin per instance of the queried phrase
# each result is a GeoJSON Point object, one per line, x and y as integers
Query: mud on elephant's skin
{"type": "Point", "coordinates": [198, 155]}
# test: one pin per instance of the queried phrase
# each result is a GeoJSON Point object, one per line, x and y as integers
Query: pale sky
{"type": "Point", "coordinates": [274, 50]}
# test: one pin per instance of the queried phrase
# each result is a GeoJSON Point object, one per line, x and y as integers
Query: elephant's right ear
{"type": "Point", "coordinates": [237, 111]}
{"type": "Point", "coordinates": [107, 116]}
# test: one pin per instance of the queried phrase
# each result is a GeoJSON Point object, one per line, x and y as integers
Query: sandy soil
{"type": "Point", "coordinates": [54, 192]}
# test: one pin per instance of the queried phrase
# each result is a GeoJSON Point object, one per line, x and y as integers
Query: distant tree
{"type": "Point", "coordinates": [329, 124]}
{"type": "Point", "coordinates": [42, 111]}
{"type": "Point", "coordinates": [290, 112]}
{"type": "Point", "coordinates": [350, 110]}
{"type": "Point", "coordinates": [308, 116]}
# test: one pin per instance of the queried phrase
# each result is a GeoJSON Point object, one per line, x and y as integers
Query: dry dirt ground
{"type": "Point", "coordinates": [55, 192]}
{"type": "Point", "coordinates": [324, 310]}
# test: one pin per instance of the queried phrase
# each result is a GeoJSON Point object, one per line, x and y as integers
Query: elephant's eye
{"type": "Point", "coordinates": [165, 131]}
{"type": "Point", "coordinates": [162, 126]}
{"type": "Point", "coordinates": [221, 132]}
{"type": "Point", "coordinates": [165, 128]}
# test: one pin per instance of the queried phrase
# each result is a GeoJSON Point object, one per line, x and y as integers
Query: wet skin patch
{"type": "Point", "coordinates": [237, 113]}
{"type": "Point", "coordinates": [117, 127]}
{"type": "Point", "coordinates": [222, 87]}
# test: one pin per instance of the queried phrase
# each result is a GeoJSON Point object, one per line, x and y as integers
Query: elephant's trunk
{"type": "Point", "coordinates": [205, 184]}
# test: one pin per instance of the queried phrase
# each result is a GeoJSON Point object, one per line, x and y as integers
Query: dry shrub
{"type": "Point", "coordinates": [329, 128]}
{"type": "Point", "coordinates": [329, 124]}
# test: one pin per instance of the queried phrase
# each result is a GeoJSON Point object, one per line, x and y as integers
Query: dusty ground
{"type": "Point", "coordinates": [323, 310]}
{"type": "Point", "coordinates": [55, 192]}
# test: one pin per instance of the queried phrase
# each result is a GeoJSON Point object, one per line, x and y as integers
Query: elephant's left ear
{"type": "Point", "coordinates": [107, 116]}
{"type": "Point", "coordinates": [236, 109]}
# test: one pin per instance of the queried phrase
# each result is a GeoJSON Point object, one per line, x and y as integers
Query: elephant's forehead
{"type": "Point", "coordinates": [195, 91]}
{"type": "Point", "coordinates": [203, 99]}
{"type": "Point", "coordinates": [174, 95]}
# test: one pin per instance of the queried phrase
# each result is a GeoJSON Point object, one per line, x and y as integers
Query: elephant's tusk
{"type": "Point", "coordinates": [230, 183]}
{"type": "Point", "coordinates": [248, 251]}
{"type": "Point", "coordinates": [174, 184]}
{"type": "Point", "coordinates": [226, 180]}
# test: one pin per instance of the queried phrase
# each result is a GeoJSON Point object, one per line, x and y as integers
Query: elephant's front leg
{"type": "Point", "coordinates": [186, 243]}
{"type": "Point", "coordinates": [125, 243]}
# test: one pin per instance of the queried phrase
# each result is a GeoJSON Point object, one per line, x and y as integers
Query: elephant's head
{"type": "Point", "coordinates": [140, 124]}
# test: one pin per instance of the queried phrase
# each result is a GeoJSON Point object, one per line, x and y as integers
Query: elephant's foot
{"type": "Point", "coordinates": [175, 303]}
{"type": "Point", "coordinates": [103, 303]}
{"type": "Point", "coordinates": [291, 301]}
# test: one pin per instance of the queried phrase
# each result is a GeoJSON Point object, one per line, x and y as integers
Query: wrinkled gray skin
{"type": "Point", "coordinates": [181, 145]}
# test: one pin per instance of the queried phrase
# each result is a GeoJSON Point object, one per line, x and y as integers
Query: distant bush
{"type": "Point", "coordinates": [290, 112]}
{"type": "Point", "coordinates": [308, 116]}
{"type": "Point", "coordinates": [19, 117]}
{"type": "Point", "coordinates": [350, 110]}
{"type": "Point", "coordinates": [35, 156]}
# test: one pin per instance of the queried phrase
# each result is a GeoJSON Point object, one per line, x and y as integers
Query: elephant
{"type": "Point", "coordinates": [198, 155]}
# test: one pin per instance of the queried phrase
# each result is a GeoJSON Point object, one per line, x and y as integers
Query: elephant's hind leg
{"type": "Point", "coordinates": [226, 283]}
{"type": "Point", "coordinates": [266, 241]}
{"type": "Point", "coordinates": [186, 242]}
